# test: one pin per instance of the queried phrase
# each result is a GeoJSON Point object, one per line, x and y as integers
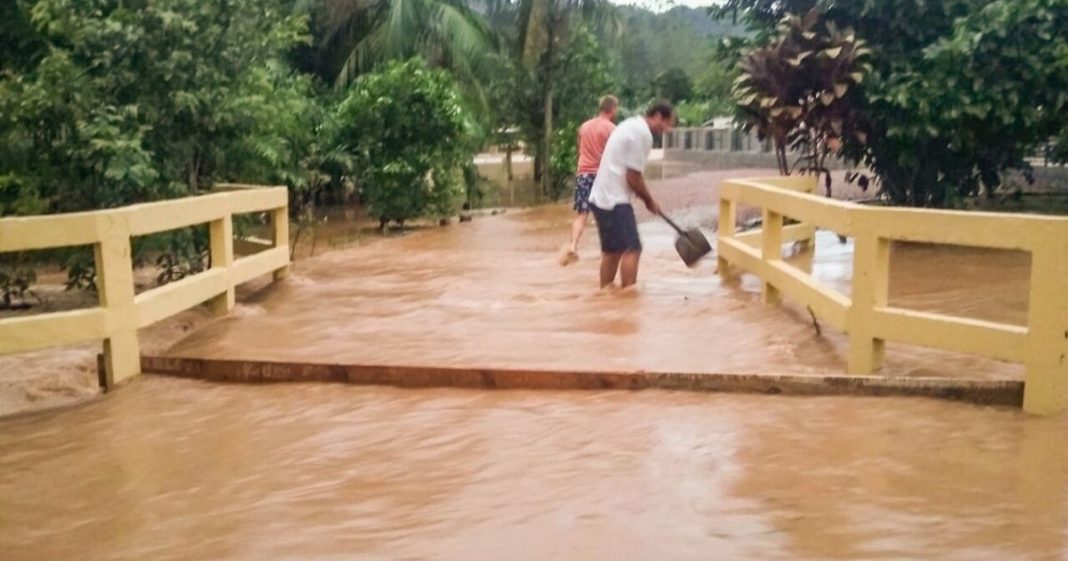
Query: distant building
{"type": "Point", "coordinates": [719, 123]}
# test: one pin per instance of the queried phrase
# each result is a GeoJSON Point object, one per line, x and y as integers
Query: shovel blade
{"type": "Point", "coordinates": [692, 247]}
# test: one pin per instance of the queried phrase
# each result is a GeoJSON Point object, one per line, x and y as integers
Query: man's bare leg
{"type": "Point", "coordinates": [577, 227]}
{"type": "Point", "coordinates": [628, 268]}
{"type": "Point", "coordinates": [609, 267]}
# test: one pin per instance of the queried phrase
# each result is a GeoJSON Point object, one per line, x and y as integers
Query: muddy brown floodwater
{"type": "Point", "coordinates": [171, 469]}
{"type": "Point", "coordinates": [489, 294]}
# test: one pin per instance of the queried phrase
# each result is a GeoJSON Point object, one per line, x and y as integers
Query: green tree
{"type": "Point", "coordinates": [410, 137]}
{"type": "Point", "coordinates": [713, 85]}
{"type": "Point", "coordinates": [584, 74]}
{"type": "Point", "coordinates": [673, 85]}
{"type": "Point", "coordinates": [650, 43]}
{"type": "Point", "coordinates": [21, 46]}
{"type": "Point", "coordinates": [355, 36]}
{"type": "Point", "coordinates": [546, 32]}
{"type": "Point", "coordinates": [961, 90]}
{"type": "Point", "coordinates": [801, 90]}
{"type": "Point", "coordinates": [979, 102]}
{"type": "Point", "coordinates": [138, 101]}
{"type": "Point", "coordinates": [764, 15]}
{"type": "Point", "coordinates": [694, 113]}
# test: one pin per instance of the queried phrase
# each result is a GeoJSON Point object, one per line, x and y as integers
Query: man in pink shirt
{"type": "Point", "coordinates": [592, 137]}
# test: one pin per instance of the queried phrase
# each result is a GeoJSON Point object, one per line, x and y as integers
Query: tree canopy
{"type": "Point", "coordinates": [130, 104]}
{"type": "Point", "coordinates": [410, 136]}
{"type": "Point", "coordinates": [961, 91]}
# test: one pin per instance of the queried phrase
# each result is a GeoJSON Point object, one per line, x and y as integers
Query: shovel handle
{"type": "Point", "coordinates": [672, 223]}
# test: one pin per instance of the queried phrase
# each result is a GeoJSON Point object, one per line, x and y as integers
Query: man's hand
{"type": "Point", "coordinates": [636, 182]}
{"type": "Point", "coordinates": [653, 206]}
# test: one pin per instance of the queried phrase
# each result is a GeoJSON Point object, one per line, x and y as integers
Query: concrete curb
{"type": "Point", "coordinates": [983, 392]}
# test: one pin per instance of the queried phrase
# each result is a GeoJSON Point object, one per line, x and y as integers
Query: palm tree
{"type": "Point", "coordinates": [545, 30]}
{"type": "Point", "coordinates": [353, 36]}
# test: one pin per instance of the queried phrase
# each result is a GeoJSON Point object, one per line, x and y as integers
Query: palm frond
{"type": "Point", "coordinates": [466, 35]}
{"type": "Point", "coordinates": [445, 32]}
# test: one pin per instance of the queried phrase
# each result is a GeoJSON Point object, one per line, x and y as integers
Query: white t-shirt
{"type": "Point", "coordinates": [627, 148]}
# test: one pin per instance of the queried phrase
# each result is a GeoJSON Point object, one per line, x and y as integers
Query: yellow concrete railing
{"type": "Point", "coordinates": [1041, 345]}
{"type": "Point", "coordinates": [121, 313]}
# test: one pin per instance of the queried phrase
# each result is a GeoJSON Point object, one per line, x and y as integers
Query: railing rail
{"type": "Point", "coordinates": [1041, 345]}
{"type": "Point", "coordinates": [120, 312]}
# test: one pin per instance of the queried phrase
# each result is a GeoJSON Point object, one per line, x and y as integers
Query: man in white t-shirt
{"type": "Point", "coordinates": [619, 177]}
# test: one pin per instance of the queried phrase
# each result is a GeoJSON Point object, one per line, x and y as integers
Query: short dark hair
{"type": "Point", "coordinates": [662, 108]}
{"type": "Point", "coordinates": [609, 103]}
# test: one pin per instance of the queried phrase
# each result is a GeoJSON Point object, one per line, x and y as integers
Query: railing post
{"type": "Point", "coordinates": [280, 234]}
{"type": "Point", "coordinates": [222, 257]}
{"type": "Point", "coordinates": [1045, 384]}
{"type": "Point", "coordinates": [809, 240]}
{"type": "Point", "coordinates": [771, 239]}
{"type": "Point", "coordinates": [115, 289]}
{"type": "Point", "coordinates": [725, 230]}
{"type": "Point", "coordinates": [871, 274]}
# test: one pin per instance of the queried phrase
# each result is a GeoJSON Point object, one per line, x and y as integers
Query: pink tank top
{"type": "Point", "coordinates": [593, 135]}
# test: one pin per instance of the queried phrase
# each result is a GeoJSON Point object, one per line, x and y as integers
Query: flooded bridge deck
{"type": "Point", "coordinates": [489, 295]}
{"type": "Point", "coordinates": [175, 469]}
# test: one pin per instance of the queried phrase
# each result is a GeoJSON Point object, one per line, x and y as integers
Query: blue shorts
{"type": "Point", "coordinates": [618, 229]}
{"type": "Point", "coordinates": [583, 186]}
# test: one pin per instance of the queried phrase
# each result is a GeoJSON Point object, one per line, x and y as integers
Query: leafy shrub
{"type": "Point", "coordinates": [409, 137]}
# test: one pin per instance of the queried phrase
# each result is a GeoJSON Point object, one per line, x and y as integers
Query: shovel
{"type": "Point", "coordinates": [691, 244]}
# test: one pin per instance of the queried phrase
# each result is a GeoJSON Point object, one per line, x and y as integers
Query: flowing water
{"type": "Point", "coordinates": [490, 295]}
{"type": "Point", "coordinates": [176, 469]}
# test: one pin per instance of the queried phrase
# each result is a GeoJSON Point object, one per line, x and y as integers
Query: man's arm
{"type": "Point", "coordinates": [636, 182]}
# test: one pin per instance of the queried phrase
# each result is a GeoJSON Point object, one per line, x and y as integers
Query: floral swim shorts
{"type": "Point", "coordinates": [583, 186]}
